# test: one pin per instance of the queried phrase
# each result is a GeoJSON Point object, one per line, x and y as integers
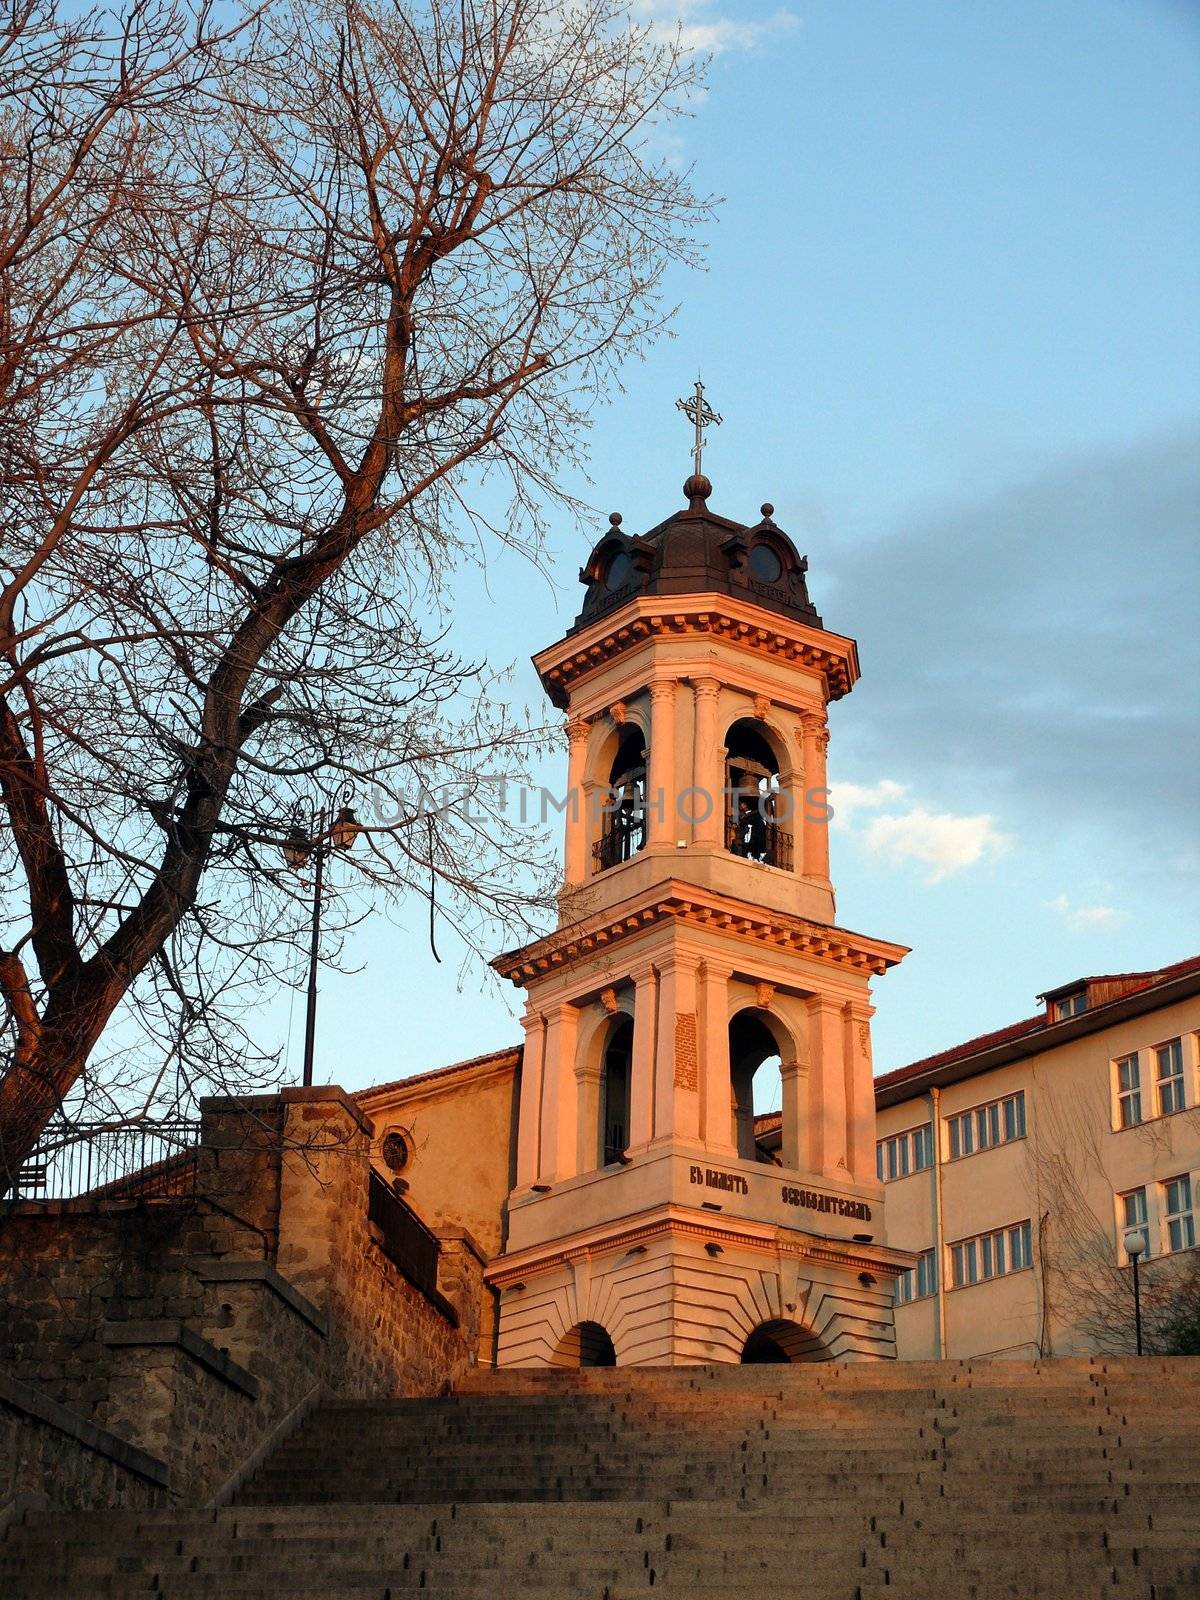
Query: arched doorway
{"type": "Point", "coordinates": [616, 1073]}
{"type": "Point", "coordinates": [587, 1344]}
{"type": "Point", "coordinates": [780, 1342]}
{"type": "Point", "coordinates": [756, 807]}
{"type": "Point", "coordinates": [754, 1067]}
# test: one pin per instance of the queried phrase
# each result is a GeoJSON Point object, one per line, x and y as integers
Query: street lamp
{"type": "Point", "coordinates": [1135, 1246]}
{"type": "Point", "coordinates": [324, 831]}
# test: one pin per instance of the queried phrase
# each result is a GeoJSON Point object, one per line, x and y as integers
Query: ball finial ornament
{"type": "Point", "coordinates": [614, 518]}
{"type": "Point", "coordinates": [697, 488]}
{"type": "Point", "coordinates": [767, 509]}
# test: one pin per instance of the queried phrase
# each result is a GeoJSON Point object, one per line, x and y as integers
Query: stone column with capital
{"type": "Point", "coordinates": [860, 1091]}
{"type": "Point", "coordinates": [575, 853]}
{"type": "Point", "coordinates": [529, 1116]}
{"type": "Point", "coordinates": [708, 767]}
{"type": "Point", "coordinates": [717, 1115]}
{"type": "Point", "coordinates": [827, 1107]}
{"type": "Point", "coordinates": [661, 784]}
{"type": "Point", "coordinates": [559, 1118]}
{"type": "Point", "coordinates": [677, 1052]}
{"type": "Point", "coordinates": [641, 1087]}
{"type": "Point", "coordinates": [814, 827]}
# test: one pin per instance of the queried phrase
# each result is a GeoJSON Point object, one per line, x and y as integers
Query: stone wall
{"type": "Point", "coordinates": [49, 1453]}
{"type": "Point", "coordinates": [197, 1330]}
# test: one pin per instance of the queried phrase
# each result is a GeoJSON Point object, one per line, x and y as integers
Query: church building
{"type": "Point", "coordinates": [611, 1169]}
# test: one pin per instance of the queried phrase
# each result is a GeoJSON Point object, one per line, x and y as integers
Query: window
{"type": "Point", "coordinates": [765, 564]}
{"type": "Point", "coordinates": [991, 1255]}
{"type": "Point", "coordinates": [998, 1122]}
{"type": "Point", "coordinates": [1133, 1213]}
{"type": "Point", "coordinates": [922, 1145]}
{"type": "Point", "coordinates": [1129, 1092]}
{"type": "Point", "coordinates": [1071, 1006]}
{"type": "Point", "coordinates": [1177, 1212]}
{"type": "Point", "coordinates": [902, 1153]}
{"type": "Point", "coordinates": [1170, 1077]}
{"type": "Point", "coordinates": [919, 1282]}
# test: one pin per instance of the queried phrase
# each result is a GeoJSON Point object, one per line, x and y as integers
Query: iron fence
{"type": "Point", "coordinates": [405, 1239]}
{"type": "Point", "coordinates": [136, 1160]}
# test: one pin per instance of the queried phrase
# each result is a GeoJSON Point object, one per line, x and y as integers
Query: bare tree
{"type": "Point", "coordinates": [1086, 1285]}
{"type": "Point", "coordinates": [277, 298]}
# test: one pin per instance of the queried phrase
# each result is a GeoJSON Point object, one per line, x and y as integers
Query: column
{"type": "Point", "coordinates": [641, 1088]}
{"type": "Point", "coordinates": [677, 1052]}
{"type": "Point", "coordinates": [796, 1075]}
{"type": "Point", "coordinates": [559, 1130]}
{"type": "Point", "coordinates": [529, 1116]}
{"type": "Point", "coordinates": [815, 830]}
{"type": "Point", "coordinates": [860, 1091]}
{"type": "Point", "coordinates": [827, 1084]}
{"type": "Point", "coordinates": [661, 820]}
{"type": "Point", "coordinates": [708, 767]}
{"type": "Point", "coordinates": [575, 854]}
{"type": "Point", "coordinates": [714, 1059]}
{"type": "Point", "coordinates": [589, 1075]}
{"type": "Point", "coordinates": [794, 1148]}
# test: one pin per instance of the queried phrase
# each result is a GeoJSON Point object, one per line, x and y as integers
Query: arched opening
{"type": "Point", "coordinates": [754, 1069]}
{"type": "Point", "coordinates": [781, 1342]}
{"type": "Point", "coordinates": [587, 1344]}
{"type": "Point", "coordinates": [755, 806]}
{"type": "Point", "coordinates": [615, 1078]}
{"type": "Point", "coordinates": [623, 822]}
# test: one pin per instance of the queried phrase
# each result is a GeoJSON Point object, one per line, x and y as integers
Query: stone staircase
{"type": "Point", "coordinates": [1068, 1480]}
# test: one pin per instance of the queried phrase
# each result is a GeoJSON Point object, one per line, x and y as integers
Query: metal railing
{"type": "Point", "coordinates": [405, 1240]}
{"type": "Point", "coordinates": [621, 839]}
{"type": "Point", "coordinates": [766, 842]}
{"type": "Point", "coordinates": [136, 1160]}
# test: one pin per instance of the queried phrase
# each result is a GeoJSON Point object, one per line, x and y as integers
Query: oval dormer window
{"type": "Point", "coordinates": [620, 570]}
{"type": "Point", "coordinates": [765, 565]}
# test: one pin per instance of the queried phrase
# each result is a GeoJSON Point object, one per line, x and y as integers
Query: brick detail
{"type": "Point", "coordinates": [687, 1070]}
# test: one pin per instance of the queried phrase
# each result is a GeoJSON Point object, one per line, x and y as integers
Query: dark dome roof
{"type": "Point", "coordinates": [697, 552]}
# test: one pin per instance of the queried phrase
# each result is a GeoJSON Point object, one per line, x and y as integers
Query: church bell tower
{"type": "Point", "coordinates": [659, 1217]}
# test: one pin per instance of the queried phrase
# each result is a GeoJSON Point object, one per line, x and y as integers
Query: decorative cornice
{"type": "Point", "coordinates": [766, 1237]}
{"type": "Point", "coordinates": [676, 903]}
{"type": "Point", "coordinates": [830, 654]}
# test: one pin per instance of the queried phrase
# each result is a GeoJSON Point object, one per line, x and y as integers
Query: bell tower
{"type": "Point", "coordinates": [659, 1217]}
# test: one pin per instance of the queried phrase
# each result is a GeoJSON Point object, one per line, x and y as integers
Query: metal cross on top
{"type": "Point", "coordinates": [701, 415]}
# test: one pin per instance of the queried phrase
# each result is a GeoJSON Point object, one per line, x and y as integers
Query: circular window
{"type": "Point", "coordinates": [765, 564]}
{"type": "Point", "coordinates": [620, 570]}
{"type": "Point", "coordinates": [394, 1151]}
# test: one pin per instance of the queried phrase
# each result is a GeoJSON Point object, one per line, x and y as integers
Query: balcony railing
{"type": "Point", "coordinates": [759, 839]}
{"type": "Point", "coordinates": [131, 1161]}
{"type": "Point", "coordinates": [622, 838]}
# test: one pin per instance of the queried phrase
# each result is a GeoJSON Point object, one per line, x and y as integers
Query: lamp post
{"type": "Point", "coordinates": [323, 832]}
{"type": "Point", "coordinates": [1135, 1246]}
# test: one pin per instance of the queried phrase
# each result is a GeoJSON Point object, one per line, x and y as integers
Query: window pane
{"type": "Point", "coordinates": [955, 1145]}
{"type": "Point", "coordinates": [956, 1265]}
{"type": "Point", "coordinates": [879, 1161]}
{"type": "Point", "coordinates": [986, 1252]}
{"type": "Point", "coordinates": [1019, 1102]}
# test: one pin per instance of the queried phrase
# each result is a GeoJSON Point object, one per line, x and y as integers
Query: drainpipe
{"type": "Point", "coordinates": [939, 1253]}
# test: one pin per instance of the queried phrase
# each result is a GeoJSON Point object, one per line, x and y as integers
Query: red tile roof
{"type": "Point", "coordinates": [1018, 1030]}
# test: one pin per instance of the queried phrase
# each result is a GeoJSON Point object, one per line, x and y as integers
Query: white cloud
{"type": "Point", "coordinates": [699, 30]}
{"type": "Point", "coordinates": [943, 842]}
{"type": "Point", "coordinates": [847, 798]}
{"type": "Point", "coordinates": [1081, 919]}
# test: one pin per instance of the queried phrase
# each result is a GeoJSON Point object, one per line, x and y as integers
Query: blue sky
{"type": "Point", "coordinates": [950, 316]}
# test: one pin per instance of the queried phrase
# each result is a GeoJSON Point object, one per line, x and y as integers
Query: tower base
{"type": "Point", "coordinates": [676, 1287]}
